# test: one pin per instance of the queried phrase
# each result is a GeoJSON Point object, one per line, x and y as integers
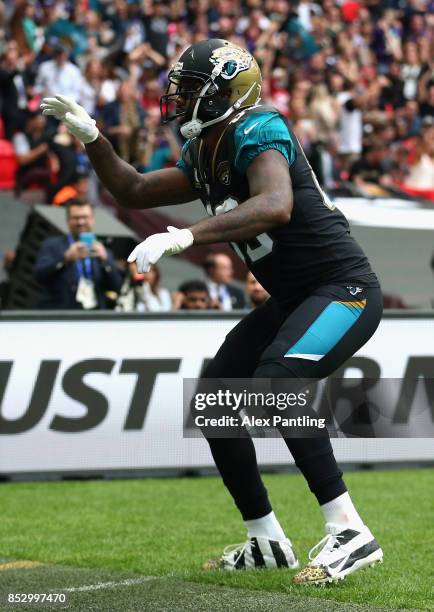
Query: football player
{"type": "Point", "coordinates": [243, 161]}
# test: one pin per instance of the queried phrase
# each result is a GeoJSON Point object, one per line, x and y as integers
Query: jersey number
{"type": "Point", "coordinates": [253, 250]}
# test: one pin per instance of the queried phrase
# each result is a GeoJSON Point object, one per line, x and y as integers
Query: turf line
{"type": "Point", "coordinates": [108, 585]}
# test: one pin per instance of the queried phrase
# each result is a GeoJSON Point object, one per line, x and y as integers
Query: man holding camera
{"type": "Point", "coordinates": [76, 270]}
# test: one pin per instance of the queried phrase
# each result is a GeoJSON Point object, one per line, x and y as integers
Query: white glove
{"type": "Point", "coordinates": [76, 119]}
{"type": "Point", "coordinates": [149, 251]}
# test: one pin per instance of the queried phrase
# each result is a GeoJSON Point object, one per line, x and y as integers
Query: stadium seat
{"type": "Point", "coordinates": [8, 165]}
{"type": "Point", "coordinates": [427, 194]}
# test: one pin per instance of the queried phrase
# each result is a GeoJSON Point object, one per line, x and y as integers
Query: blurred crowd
{"type": "Point", "coordinates": [355, 78]}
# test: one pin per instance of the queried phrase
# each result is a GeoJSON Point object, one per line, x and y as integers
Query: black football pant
{"type": "Point", "coordinates": [304, 339]}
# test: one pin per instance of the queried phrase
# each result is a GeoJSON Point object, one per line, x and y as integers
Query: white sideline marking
{"type": "Point", "coordinates": [108, 585]}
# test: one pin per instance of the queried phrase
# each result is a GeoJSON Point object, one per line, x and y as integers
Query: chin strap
{"type": "Point", "coordinates": [194, 127]}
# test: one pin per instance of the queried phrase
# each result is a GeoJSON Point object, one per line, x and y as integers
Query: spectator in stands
{"type": "Point", "coordinates": [23, 27]}
{"type": "Point", "coordinates": [14, 83]}
{"type": "Point", "coordinates": [427, 97]}
{"type": "Point", "coordinates": [37, 149]}
{"type": "Point", "coordinates": [324, 110]}
{"type": "Point", "coordinates": [410, 112]}
{"type": "Point", "coordinates": [143, 293]}
{"type": "Point", "coordinates": [369, 169]}
{"type": "Point", "coordinates": [77, 187]}
{"type": "Point", "coordinates": [110, 83]}
{"type": "Point", "coordinates": [32, 146]}
{"type": "Point", "coordinates": [420, 177]}
{"type": "Point", "coordinates": [220, 272]}
{"type": "Point", "coordinates": [255, 291]}
{"type": "Point", "coordinates": [122, 120]}
{"type": "Point", "coordinates": [90, 94]}
{"type": "Point", "coordinates": [392, 95]}
{"type": "Point", "coordinates": [352, 104]}
{"type": "Point", "coordinates": [157, 17]}
{"type": "Point", "coordinates": [142, 55]}
{"type": "Point", "coordinates": [193, 295]}
{"type": "Point", "coordinates": [152, 92]}
{"type": "Point", "coordinates": [411, 70]}
{"type": "Point", "coordinates": [59, 75]}
{"type": "Point", "coordinates": [76, 274]}
{"type": "Point", "coordinates": [161, 147]}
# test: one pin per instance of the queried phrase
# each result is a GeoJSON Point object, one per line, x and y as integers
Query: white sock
{"type": "Point", "coordinates": [341, 511]}
{"type": "Point", "coordinates": [265, 527]}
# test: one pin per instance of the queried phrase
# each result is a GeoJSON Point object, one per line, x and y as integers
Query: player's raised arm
{"type": "Point", "coordinates": [130, 188]}
{"type": "Point", "coordinates": [269, 205]}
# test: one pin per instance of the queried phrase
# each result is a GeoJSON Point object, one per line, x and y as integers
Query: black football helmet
{"type": "Point", "coordinates": [203, 72]}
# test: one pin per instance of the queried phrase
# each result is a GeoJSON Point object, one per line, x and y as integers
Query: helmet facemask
{"type": "Point", "coordinates": [192, 89]}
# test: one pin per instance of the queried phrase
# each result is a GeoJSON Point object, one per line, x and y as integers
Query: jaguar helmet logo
{"type": "Point", "coordinates": [231, 61]}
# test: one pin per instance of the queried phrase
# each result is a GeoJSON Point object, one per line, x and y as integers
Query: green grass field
{"type": "Point", "coordinates": [148, 538]}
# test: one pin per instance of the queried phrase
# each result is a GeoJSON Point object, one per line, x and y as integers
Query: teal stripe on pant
{"type": "Point", "coordinates": [327, 330]}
